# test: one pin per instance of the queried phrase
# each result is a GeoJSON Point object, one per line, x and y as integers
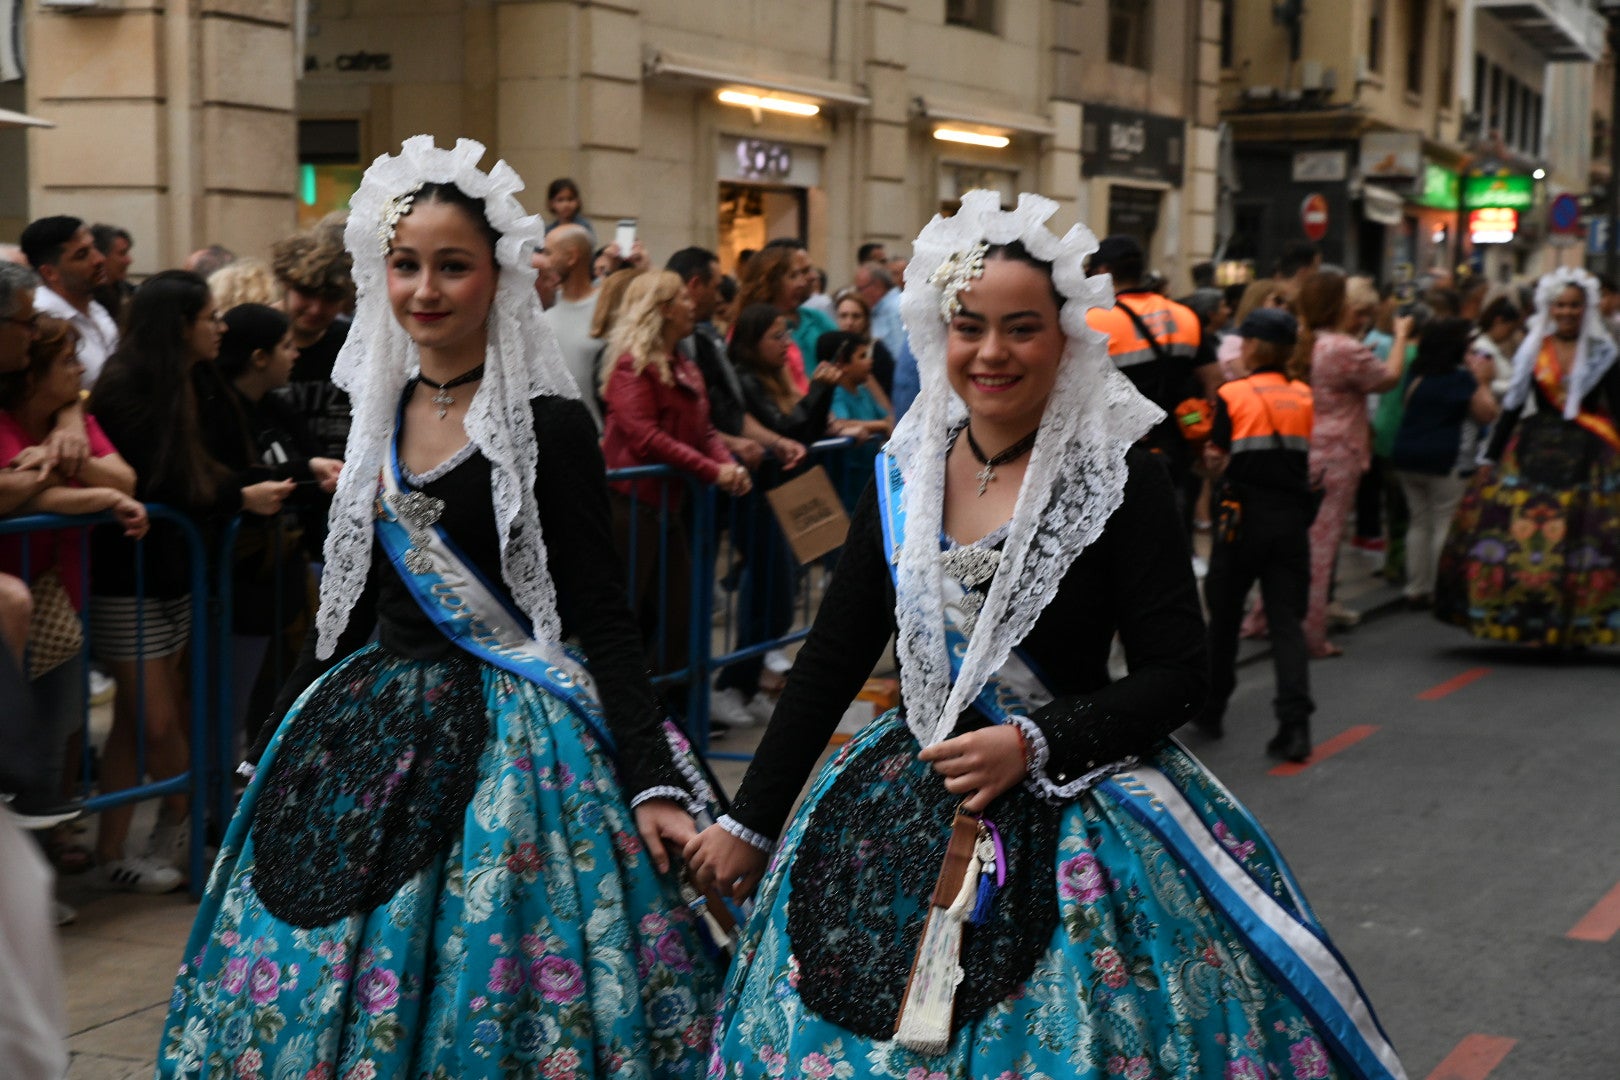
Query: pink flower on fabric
{"type": "Point", "coordinates": [525, 860]}
{"type": "Point", "coordinates": [1080, 878]}
{"type": "Point", "coordinates": [505, 975]}
{"type": "Point", "coordinates": [1309, 1058]}
{"type": "Point", "coordinates": [1116, 1064]}
{"type": "Point", "coordinates": [816, 1067]}
{"type": "Point", "coordinates": [377, 990]}
{"type": "Point", "coordinates": [653, 924]}
{"type": "Point", "coordinates": [531, 945]}
{"type": "Point", "coordinates": [1138, 1068]}
{"type": "Point", "coordinates": [264, 981]}
{"type": "Point", "coordinates": [672, 951]}
{"type": "Point", "coordinates": [249, 1064]}
{"type": "Point", "coordinates": [917, 1072]}
{"type": "Point", "coordinates": [560, 1064]}
{"type": "Point", "coordinates": [1243, 1069]}
{"type": "Point", "coordinates": [1111, 966]}
{"type": "Point", "coordinates": [235, 976]}
{"type": "Point", "coordinates": [557, 979]}
{"type": "Point", "coordinates": [362, 1070]}
{"type": "Point", "coordinates": [323, 1071]}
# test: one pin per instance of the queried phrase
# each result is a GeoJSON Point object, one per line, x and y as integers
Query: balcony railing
{"type": "Point", "coordinates": [1558, 29]}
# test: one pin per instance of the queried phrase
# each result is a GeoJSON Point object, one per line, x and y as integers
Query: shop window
{"type": "Point", "coordinates": [1228, 13]}
{"type": "Point", "coordinates": [329, 167]}
{"type": "Point", "coordinates": [1128, 22]}
{"type": "Point", "coordinates": [973, 14]}
{"type": "Point", "coordinates": [1448, 58]}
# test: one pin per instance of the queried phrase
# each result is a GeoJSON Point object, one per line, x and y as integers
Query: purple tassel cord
{"type": "Point", "coordinates": [993, 871]}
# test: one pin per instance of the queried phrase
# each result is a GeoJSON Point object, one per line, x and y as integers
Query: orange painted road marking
{"type": "Point", "coordinates": [1602, 922]}
{"type": "Point", "coordinates": [1451, 686]}
{"type": "Point", "coordinates": [1341, 741]}
{"type": "Point", "coordinates": [1474, 1058]}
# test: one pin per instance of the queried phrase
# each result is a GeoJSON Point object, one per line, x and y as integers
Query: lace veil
{"type": "Point", "coordinates": [523, 361]}
{"type": "Point", "coordinates": [1076, 474]}
{"type": "Point", "coordinates": [1594, 353]}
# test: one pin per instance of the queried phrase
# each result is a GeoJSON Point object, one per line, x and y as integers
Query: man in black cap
{"type": "Point", "coordinates": [1159, 345]}
{"type": "Point", "coordinates": [1259, 447]}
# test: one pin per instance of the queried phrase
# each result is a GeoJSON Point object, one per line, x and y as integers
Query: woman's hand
{"type": "Point", "coordinates": [661, 822]}
{"type": "Point", "coordinates": [131, 515]}
{"type": "Point", "coordinates": [326, 471]}
{"type": "Point", "coordinates": [37, 459]}
{"type": "Point", "coordinates": [720, 862]}
{"type": "Point", "coordinates": [979, 765]}
{"type": "Point", "coordinates": [789, 452]}
{"type": "Point", "coordinates": [265, 497]}
{"type": "Point", "coordinates": [828, 373]}
{"type": "Point", "coordinates": [734, 480]}
{"type": "Point", "coordinates": [69, 448]}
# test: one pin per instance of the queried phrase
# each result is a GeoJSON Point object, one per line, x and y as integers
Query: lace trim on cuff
{"type": "Point", "coordinates": [745, 834]}
{"type": "Point", "coordinates": [1040, 753]}
{"type": "Point", "coordinates": [665, 791]}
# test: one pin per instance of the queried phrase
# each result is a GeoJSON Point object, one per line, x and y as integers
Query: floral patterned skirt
{"type": "Point", "coordinates": [536, 941]}
{"type": "Point", "coordinates": [1534, 552]}
{"type": "Point", "coordinates": [1141, 979]}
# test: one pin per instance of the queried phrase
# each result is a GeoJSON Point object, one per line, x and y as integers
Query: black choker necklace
{"type": "Point", "coordinates": [443, 399]}
{"type": "Point", "coordinates": [1012, 453]}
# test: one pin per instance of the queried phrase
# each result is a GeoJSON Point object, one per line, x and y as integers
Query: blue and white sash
{"type": "Point", "coordinates": [479, 619]}
{"type": "Point", "coordinates": [1286, 938]}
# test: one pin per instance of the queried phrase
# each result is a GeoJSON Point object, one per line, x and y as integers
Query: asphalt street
{"type": "Point", "coordinates": [1458, 832]}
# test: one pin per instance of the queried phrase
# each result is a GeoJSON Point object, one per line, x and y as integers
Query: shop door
{"type": "Point", "coordinates": [1134, 212]}
{"type": "Point", "coordinates": [752, 214]}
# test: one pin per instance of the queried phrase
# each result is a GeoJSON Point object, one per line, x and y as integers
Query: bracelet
{"type": "Point", "coordinates": [1023, 748]}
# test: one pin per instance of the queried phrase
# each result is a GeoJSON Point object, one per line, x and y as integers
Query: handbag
{"type": "Point", "coordinates": [55, 632]}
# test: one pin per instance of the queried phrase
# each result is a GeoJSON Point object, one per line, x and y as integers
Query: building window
{"type": "Point", "coordinates": [1510, 121]}
{"type": "Point", "coordinates": [1493, 113]}
{"type": "Point", "coordinates": [973, 14]}
{"type": "Point", "coordinates": [1448, 58]}
{"type": "Point", "coordinates": [1417, 21]}
{"type": "Point", "coordinates": [1476, 103]}
{"type": "Point", "coordinates": [1375, 37]}
{"type": "Point", "coordinates": [1227, 30]}
{"type": "Point", "coordinates": [1128, 32]}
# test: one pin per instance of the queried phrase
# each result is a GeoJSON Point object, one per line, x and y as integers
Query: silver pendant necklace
{"type": "Point", "coordinates": [443, 398]}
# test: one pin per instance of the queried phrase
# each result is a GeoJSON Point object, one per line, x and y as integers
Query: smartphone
{"type": "Point", "coordinates": [625, 236]}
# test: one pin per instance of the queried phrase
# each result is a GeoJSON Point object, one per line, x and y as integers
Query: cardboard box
{"type": "Point", "coordinates": [810, 514]}
{"type": "Point", "coordinates": [877, 697]}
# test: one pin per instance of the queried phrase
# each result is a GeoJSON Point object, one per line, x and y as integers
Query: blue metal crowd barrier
{"type": "Point", "coordinates": [194, 781]}
{"type": "Point", "coordinates": [694, 520]}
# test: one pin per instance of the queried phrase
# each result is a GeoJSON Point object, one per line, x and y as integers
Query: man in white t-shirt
{"type": "Point", "coordinates": [63, 253]}
{"type": "Point", "coordinates": [569, 249]}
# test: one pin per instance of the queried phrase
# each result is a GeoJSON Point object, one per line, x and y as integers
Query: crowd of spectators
{"type": "Point", "coordinates": [207, 388]}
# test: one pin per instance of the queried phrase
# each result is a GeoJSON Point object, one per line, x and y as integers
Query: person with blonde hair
{"type": "Point", "coordinates": [657, 413]}
{"type": "Point", "coordinates": [245, 281]}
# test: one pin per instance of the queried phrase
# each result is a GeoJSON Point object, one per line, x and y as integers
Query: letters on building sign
{"type": "Point", "coordinates": [761, 160]}
{"type": "Point", "coordinates": [1131, 145]}
{"type": "Point", "coordinates": [352, 62]}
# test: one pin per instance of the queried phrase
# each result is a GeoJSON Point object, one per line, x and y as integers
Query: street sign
{"type": "Point", "coordinates": [1564, 216]}
{"type": "Point", "coordinates": [1313, 216]}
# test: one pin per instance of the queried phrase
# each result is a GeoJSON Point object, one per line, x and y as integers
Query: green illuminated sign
{"type": "Point", "coordinates": [1513, 191]}
{"type": "Point", "coordinates": [1440, 187]}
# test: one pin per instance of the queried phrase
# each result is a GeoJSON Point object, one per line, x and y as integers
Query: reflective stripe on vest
{"type": "Point", "coordinates": [1269, 412]}
{"type": "Point", "coordinates": [1174, 326]}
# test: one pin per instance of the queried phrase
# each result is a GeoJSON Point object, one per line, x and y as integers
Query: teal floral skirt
{"type": "Point", "coordinates": [535, 939]}
{"type": "Point", "coordinates": [1142, 978]}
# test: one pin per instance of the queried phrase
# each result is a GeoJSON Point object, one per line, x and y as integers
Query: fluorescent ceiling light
{"type": "Point", "coordinates": [971, 138]}
{"type": "Point", "coordinates": [768, 104]}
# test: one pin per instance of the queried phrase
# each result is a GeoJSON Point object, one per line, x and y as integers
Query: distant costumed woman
{"type": "Point", "coordinates": [450, 861]}
{"type": "Point", "coordinates": [1534, 551]}
{"type": "Point", "coordinates": [1052, 887]}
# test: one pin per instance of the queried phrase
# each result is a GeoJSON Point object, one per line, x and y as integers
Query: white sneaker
{"type": "Point", "coordinates": [141, 875]}
{"type": "Point", "coordinates": [729, 709]}
{"type": "Point", "coordinates": [170, 844]}
{"type": "Point", "coordinates": [779, 661]}
{"type": "Point", "coordinates": [102, 687]}
{"type": "Point", "coordinates": [761, 707]}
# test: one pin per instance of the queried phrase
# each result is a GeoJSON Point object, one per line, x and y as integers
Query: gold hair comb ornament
{"type": "Point", "coordinates": [393, 210]}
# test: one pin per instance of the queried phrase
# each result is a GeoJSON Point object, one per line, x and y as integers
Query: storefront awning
{"type": "Point", "coordinates": [9, 119]}
{"type": "Point", "coordinates": [663, 63]}
{"type": "Point", "coordinates": [1027, 123]}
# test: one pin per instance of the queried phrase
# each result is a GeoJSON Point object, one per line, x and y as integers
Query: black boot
{"type": "Point", "coordinates": [1292, 741]}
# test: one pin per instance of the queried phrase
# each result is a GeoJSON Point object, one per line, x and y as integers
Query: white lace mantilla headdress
{"type": "Point", "coordinates": [1076, 474]}
{"type": "Point", "coordinates": [523, 361]}
{"type": "Point", "coordinates": [1594, 353]}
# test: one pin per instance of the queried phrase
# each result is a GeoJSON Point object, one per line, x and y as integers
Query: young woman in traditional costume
{"type": "Point", "coordinates": [1534, 551]}
{"type": "Point", "coordinates": [1051, 887]}
{"type": "Point", "coordinates": [437, 870]}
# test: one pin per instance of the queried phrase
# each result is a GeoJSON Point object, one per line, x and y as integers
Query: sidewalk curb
{"type": "Point", "coordinates": [1373, 604]}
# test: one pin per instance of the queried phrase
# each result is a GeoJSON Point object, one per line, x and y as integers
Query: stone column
{"type": "Point", "coordinates": [885, 212]}
{"type": "Point", "coordinates": [174, 122]}
{"type": "Point", "coordinates": [568, 100]}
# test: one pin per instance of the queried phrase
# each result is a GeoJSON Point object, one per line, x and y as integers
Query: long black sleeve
{"type": "Point", "coordinates": [855, 621]}
{"type": "Point", "coordinates": [807, 421]}
{"type": "Point", "coordinates": [571, 489]}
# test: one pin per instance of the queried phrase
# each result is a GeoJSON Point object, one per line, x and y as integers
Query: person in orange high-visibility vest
{"type": "Point", "coordinates": [1260, 446]}
{"type": "Point", "coordinates": [1159, 345]}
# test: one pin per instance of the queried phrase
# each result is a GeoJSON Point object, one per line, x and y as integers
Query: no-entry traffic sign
{"type": "Point", "coordinates": [1313, 216]}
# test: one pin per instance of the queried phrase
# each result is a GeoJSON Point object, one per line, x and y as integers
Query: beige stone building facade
{"type": "Point", "coordinates": [229, 120]}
